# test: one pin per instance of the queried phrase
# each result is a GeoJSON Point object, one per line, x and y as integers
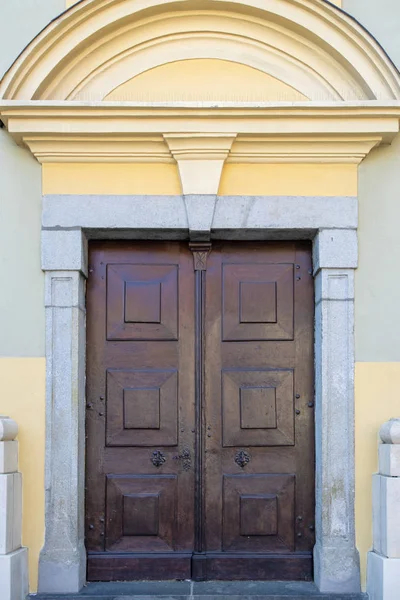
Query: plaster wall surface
{"type": "Point", "coordinates": [377, 286]}
{"type": "Point", "coordinates": [22, 364]}
{"type": "Point", "coordinates": [22, 20]}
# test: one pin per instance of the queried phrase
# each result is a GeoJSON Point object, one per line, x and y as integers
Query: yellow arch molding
{"type": "Point", "coordinates": [344, 91]}
{"type": "Point", "coordinates": [97, 45]}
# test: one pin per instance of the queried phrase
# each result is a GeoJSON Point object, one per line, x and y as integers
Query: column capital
{"type": "Point", "coordinates": [64, 250]}
{"type": "Point", "coordinates": [335, 249]}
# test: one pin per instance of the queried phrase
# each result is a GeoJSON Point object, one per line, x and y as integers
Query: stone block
{"type": "Point", "coordinates": [291, 213]}
{"type": "Point", "coordinates": [376, 514]}
{"type": "Point", "coordinates": [383, 577]}
{"type": "Point", "coordinates": [337, 568]}
{"type": "Point", "coordinates": [390, 432]}
{"type": "Point", "coordinates": [64, 251]}
{"type": "Point", "coordinates": [386, 515]}
{"type": "Point", "coordinates": [8, 457]}
{"type": "Point", "coordinates": [14, 575]}
{"type": "Point", "coordinates": [105, 212]}
{"type": "Point", "coordinates": [64, 289]}
{"type": "Point", "coordinates": [335, 248]}
{"type": "Point", "coordinates": [10, 512]}
{"type": "Point", "coordinates": [389, 460]}
{"type": "Point", "coordinates": [200, 211]}
{"type": "Point", "coordinates": [334, 284]}
{"type": "Point", "coordinates": [8, 429]}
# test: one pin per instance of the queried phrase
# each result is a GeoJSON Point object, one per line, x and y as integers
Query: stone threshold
{"type": "Point", "coordinates": [204, 590]}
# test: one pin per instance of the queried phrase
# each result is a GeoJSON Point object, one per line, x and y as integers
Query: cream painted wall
{"type": "Point", "coordinates": [377, 400]}
{"type": "Point", "coordinates": [204, 80]}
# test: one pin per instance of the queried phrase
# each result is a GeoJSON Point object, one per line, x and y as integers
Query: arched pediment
{"type": "Point", "coordinates": [98, 45]}
{"type": "Point", "coordinates": [201, 83]}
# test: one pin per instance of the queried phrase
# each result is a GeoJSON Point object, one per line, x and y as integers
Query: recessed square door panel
{"type": "Point", "coordinates": [257, 302]}
{"type": "Point", "coordinates": [258, 513]}
{"type": "Point", "coordinates": [140, 512]}
{"type": "Point", "coordinates": [141, 408]}
{"type": "Point", "coordinates": [142, 302]}
{"type": "Point", "coordinates": [257, 407]}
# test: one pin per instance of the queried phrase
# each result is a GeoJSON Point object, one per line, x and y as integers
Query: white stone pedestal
{"type": "Point", "coordinates": [383, 575]}
{"type": "Point", "coordinates": [13, 558]}
{"type": "Point", "coordinates": [14, 575]}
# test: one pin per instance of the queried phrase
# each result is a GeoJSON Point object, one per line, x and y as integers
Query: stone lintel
{"type": "Point", "coordinates": [299, 217]}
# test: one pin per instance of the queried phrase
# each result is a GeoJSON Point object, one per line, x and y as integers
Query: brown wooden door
{"type": "Point", "coordinates": [200, 448]}
{"type": "Point", "coordinates": [259, 445]}
{"type": "Point", "coordinates": [140, 412]}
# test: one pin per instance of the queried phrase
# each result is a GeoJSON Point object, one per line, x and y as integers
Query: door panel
{"type": "Point", "coordinates": [258, 402]}
{"type": "Point", "coordinates": [140, 411]}
{"type": "Point", "coordinates": [200, 437]}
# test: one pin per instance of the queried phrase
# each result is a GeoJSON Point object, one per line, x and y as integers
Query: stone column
{"type": "Point", "coordinates": [62, 565]}
{"type": "Point", "coordinates": [336, 560]}
{"type": "Point", "coordinates": [13, 558]}
{"type": "Point", "coordinates": [383, 574]}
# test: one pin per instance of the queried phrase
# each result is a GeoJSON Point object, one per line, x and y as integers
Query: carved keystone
{"type": "Point", "coordinates": [8, 429]}
{"type": "Point", "coordinates": [390, 432]}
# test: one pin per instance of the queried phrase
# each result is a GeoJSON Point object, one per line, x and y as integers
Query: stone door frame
{"type": "Point", "coordinates": [69, 222]}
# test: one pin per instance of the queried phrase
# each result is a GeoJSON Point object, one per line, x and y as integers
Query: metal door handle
{"type": "Point", "coordinates": [186, 459]}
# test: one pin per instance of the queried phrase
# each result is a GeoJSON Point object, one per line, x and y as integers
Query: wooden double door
{"type": "Point", "coordinates": [200, 420]}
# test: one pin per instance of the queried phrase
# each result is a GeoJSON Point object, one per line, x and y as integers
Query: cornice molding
{"type": "Point", "coordinates": [201, 139]}
{"type": "Point", "coordinates": [112, 132]}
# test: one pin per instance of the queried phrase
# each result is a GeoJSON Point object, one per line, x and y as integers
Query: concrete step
{"type": "Point", "coordinates": [207, 590]}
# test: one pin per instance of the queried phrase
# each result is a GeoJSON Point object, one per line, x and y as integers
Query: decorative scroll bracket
{"type": "Point", "coordinates": [200, 255]}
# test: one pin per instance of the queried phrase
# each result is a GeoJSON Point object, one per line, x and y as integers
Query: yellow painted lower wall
{"type": "Point", "coordinates": [377, 400]}
{"type": "Point", "coordinates": [111, 178]}
{"type": "Point", "coordinates": [22, 397]}
{"type": "Point", "coordinates": [237, 179]}
{"type": "Point", "coordinates": [22, 394]}
{"type": "Point", "coordinates": [289, 180]}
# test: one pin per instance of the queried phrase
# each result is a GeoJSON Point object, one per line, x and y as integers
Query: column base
{"type": "Point", "coordinates": [337, 569]}
{"type": "Point", "coordinates": [383, 577]}
{"type": "Point", "coordinates": [62, 574]}
{"type": "Point", "coordinates": [14, 575]}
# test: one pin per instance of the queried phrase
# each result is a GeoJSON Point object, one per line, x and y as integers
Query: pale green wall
{"type": "Point", "coordinates": [382, 19]}
{"type": "Point", "coordinates": [21, 21]}
{"type": "Point", "coordinates": [377, 278]}
{"type": "Point", "coordinates": [21, 298]}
